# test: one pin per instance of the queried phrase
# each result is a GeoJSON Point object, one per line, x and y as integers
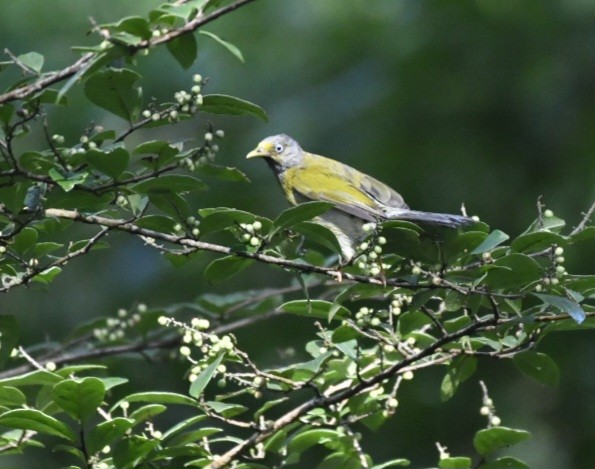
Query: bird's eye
{"type": "Point", "coordinates": [278, 148]}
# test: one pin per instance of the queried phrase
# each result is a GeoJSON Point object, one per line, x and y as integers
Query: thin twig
{"type": "Point", "coordinates": [586, 218]}
{"type": "Point", "coordinates": [138, 347]}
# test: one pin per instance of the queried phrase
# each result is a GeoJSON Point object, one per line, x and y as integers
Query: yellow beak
{"type": "Point", "coordinates": [256, 153]}
{"type": "Point", "coordinates": [263, 149]}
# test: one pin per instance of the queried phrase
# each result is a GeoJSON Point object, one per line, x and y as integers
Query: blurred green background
{"type": "Point", "coordinates": [486, 102]}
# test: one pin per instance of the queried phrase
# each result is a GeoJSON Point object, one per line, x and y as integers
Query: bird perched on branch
{"type": "Point", "coordinates": [357, 198]}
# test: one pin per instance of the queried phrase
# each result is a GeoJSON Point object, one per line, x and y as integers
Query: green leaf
{"type": "Point", "coordinates": [319, 234]}
{"type": "Point", "coordinates": [51, 96]}
{"type": "Point", "coordinates": [536, 241]}
{"type": "Point", "coordinates": [183, 49]}
{"type": "Point", "coordinates": [6, 113]}
{"type": "Point", "coordinates": [114, 91]}
{"type": "Point", "coordinates": [106, 433]}
{"type": "Point", "coordinates": [182, 426]}
{"type": "Point", "coordinates": [299, 213]}
{"type": "Point", "coordinates": [224, 173]}
{"type": "Point", "coordinates": [47, 276]}
{"type": "Point", "coordinates": [513, 270]}
{"type": "Point", "coordinates": [229, 46]}
{"type": "Point", "coordinates": [494, 239]}
{"type": "Point", "coordinates": [45, 247]}
{"type": "Point", "coordinates": [32, 60]}
{"type": "Point", "coordinates": [572, 308]}
{"type": "Point", "coordinates": [11, 397]}
{"type": "Point", "coordinates": [24, 240]}
{"type": "Point", "coordinates": [538, 366]}
{"type": "Point", "coordinates": [15, 196]}
{"type": "Point", "coordinates": [226, 267]}
{"type": "Point", "coordinates": [80, 398]}
{"type": "Point", "coordinates": [111, 162]}
{"type": "Point", "coordinates": [308, 438]}
{"type": "Point", "coordinates": [461, 244]}
{"type": "Point", "coordinates": [79, 200]}
{"type": "Point", "coordinates": [146, 412]}
{"type": "Point", "coordinates": [269, 405]}
{"type": "Point", "coordinates": [506, 462]}
{"type": "Point", "coordinates": [129, 452]}
{"type": "Point", "coordinates": [67, 181]}
{"type": "Point", "coordinates": [157, 223]}
{"type": "Point", "coordinates": [200, 383]}
{"type": "Point", "coordinates": [157, 397]}
{"type": "Point", "coordinates": [488, 440]}
{"type": "Point", "coordinates": [33, 378]}
{"type": "Point", "coordinates": [9, 336]}
{"type": "Point", "coordinates": [552, 223]}
{"type": "Point", "coordinates": [584, 234]}
{"type": "Point", "coordinates": [169, 183]}
{"type": "Point", "coordinates": [31, 419]}
{"type": "Point", "coordinates": [136, 26]}
{"type": "Point", "coordinates": [225, 409]}
{"type": "Point", "coordinates": [171, 203]}
{"type": "Point", "coordinates": [315, 309]}
{"type": "Point", "coordinates": [459, 370]}
{"type": "Point", "coordinates": [223, 104]}
{"type": "Point", "coordinates": [215, 219]}
{"type": "Point", "coordinates": [392, 463]}
{"type": "Point", "coordinates": [459, 462]}
{"type": "Point", "coordinates": [165, 151]}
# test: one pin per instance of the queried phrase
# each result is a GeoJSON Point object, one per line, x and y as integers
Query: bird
{"type": "Point", "coordinates": [357, 199]}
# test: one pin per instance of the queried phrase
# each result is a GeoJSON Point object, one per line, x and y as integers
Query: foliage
{"type": "Point", "coordinates": [413, 299]}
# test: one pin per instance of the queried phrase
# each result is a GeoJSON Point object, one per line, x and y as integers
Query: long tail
{"type": "Point", "coordinates": [442, 219]}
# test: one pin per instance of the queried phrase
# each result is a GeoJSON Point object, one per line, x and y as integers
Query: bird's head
{"type": "Point", "coordinates": [281, 151]}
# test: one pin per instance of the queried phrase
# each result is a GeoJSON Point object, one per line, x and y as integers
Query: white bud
{"type": "Point", "coordinates": [559, 251]}
{"type": "Point", "coordinates": [392, 402]}
{"type": "Point", "coordinates": [548, 213]}
{"type": "Point", "coordinates": [257, 225]}
{"type": "Point", "coordinates": [197, 78]}
{"type": "Point", "coordinates": [381, 240]}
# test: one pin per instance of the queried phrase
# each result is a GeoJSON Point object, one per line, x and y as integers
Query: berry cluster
{"type": "Point", "coordinates": [115, 328]}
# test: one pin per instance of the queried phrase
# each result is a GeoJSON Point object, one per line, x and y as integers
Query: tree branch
{"type": "Point", "coordinates": [123, 225]}
{"type": "Point", "coordinates": [25, 91]}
